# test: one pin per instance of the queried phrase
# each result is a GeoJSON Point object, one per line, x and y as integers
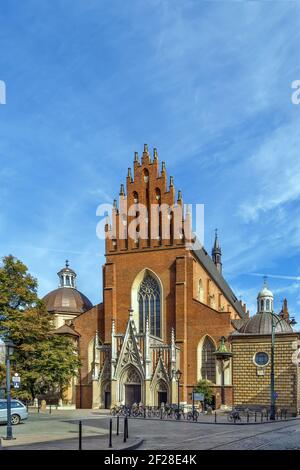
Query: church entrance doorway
{"type": "Point", "coordinates": [107, 400]}
{"type": "Point", "coordinates": [162, 398]}
{"type": "Point", "coordinates": [132, 391]}
{"type": "Point", "coordinates": [132, 394]}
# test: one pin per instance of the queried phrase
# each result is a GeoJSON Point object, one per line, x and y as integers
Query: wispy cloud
{"type": "Point", "coordinates": [207, 83]}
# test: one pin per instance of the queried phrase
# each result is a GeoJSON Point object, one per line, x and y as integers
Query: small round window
{"type": "Point", "coordinates": [261, 358]}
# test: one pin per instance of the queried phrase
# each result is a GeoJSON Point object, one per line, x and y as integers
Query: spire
{"type": "Point", "coordinates": [122, 191]}
{"type": "Point", "coordinates": [129, 175]}
{"type": "Point", "coordinates": [285, 310]}
{"type": "Point", "coordinates": [217, 253]}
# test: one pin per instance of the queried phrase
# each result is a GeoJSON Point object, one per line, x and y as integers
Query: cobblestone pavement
{"type": "Point", "coordinates": [59, 431]}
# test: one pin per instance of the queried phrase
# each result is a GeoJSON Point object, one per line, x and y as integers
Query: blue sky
{"type": "Point", "coordinates": [207, 83]}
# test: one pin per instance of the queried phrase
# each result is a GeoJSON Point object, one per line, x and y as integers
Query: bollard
{"type": "Point", "coordinates": [261, 417]}
{"type": "Point", "coordinates": [215, 416]}
{"type": "Point", "coordinates": [118, 419]}
{"type": "Point", "coordinates": [125, 430]}
{"type": "Point", "coordinates": [110, 433]}
{"type": "Point", "coordinates": [280, 414]}
{"type": "Point", "coordinates": [161, 414]}
{"type": "Point", "coordinates": [144, 413]}
{"type": "Point", "coordinates": [127, 434]}
{"type": "Point", "coordinates": [285, 413]}
{"type": "Point", "coordinates": [80, 436]}
{"type": "Point", "coordinates": [255, 416]}
{"type": "Point", "coordinates": [38, 408]}
{"type": "Point", "coordinates": [50, 410]}
{"type": "Point", "coordinates": [247, 416]}
{"type": "Point", "coordinates": [267, 415]}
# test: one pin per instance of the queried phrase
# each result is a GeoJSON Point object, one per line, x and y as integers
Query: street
{"type": "Point", "coordinates": [59, 430]}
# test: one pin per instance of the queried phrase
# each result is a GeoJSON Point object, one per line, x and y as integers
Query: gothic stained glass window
{"type": "Point", "coordinates": [149, 305]}
{"type": "Point", "coordinates": [208, 369]}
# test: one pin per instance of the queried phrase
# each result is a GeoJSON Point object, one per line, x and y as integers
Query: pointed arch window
{"type": "Point", "coordinates": [208, 366]}
{"type": "Point", "coordinates": [150, 305]}
{"type": "Point", "coordinates": [200, 291]}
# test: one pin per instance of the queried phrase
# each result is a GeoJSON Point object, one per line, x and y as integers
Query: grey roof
{"type": "Point", "coordinates": [65, 330]}
{"type": "Point", "coordinates": [211, 268]}
{"type": "Point", "coordinates": [261, 323]}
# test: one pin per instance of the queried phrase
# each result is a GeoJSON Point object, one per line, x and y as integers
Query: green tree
{"type": "Point", "coordinates": [45, 361]}
{"type": "Point", "coordinates": [204, 386]}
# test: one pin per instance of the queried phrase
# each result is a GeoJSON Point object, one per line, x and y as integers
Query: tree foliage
{"type": "Point", "coordinates": [204, 386]}
{"type": "Point", "coordinates": [45, 361]}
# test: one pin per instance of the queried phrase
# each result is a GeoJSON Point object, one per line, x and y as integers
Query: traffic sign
{"type": "Point", "coordinates": [16, 380]}
{"type": "Point", "coordinates": [198, 396]}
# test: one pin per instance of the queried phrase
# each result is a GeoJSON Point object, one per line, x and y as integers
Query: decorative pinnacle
{"type": "Point", "coordinates": [67, 263]}
{"type": "Point", "coordinates": [171, 181]}
{"type": "Point", "coordinates": [115, 204]}
{"type": "Point", "coordinates": [122, 191]}
{"type": "Point", "coordinates": [129, 174]}
{"type": "Point", "coordinates": [179, 198]}
{"type": "Point", "coordinates": [136, 156]}
{"type": "Point", "coordinates": [145, 148]}
{"type": "Point", "coordinates": [163, 167]}
{"type": "Point", "coordinates": [155, 155]}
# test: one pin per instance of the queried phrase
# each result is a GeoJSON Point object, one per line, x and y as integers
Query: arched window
{"type": "Point", "coordinates": [67, 281]}
{"type": "Point", "coordinates": [149, 305]}
{"type": "Point", "coordinates": [262, 304]}
{"type": "Point", "coordinates": [268, 305]}
{"type": "Point", "coordinates": [146, 175]}
{"type": "Point", "coordinates": [135, 197]}
{"type": "Point", "coordinates": [208, 366]}
{"type": "Point", "coordinates": [200, 295]}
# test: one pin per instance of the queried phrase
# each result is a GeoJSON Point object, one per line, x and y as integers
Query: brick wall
{"type": "Point", "coordinates": [251, 388]}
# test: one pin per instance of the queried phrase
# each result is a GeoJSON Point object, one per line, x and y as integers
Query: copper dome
{"type": "Point", "coordinates": [66, 299]}
{"type": "Point", "coordinates": [261, 323]}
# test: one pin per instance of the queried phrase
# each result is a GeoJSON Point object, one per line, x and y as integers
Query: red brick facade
{"type": "Point", "coordinates": [190, 313]}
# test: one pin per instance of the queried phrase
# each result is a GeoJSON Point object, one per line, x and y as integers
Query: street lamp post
{"type": "Point", "coordinates": [9, 349]}
{"type": "Point", "coordinates": [178, 375]}
{"type": "Point", "coordinates": [272, 377]}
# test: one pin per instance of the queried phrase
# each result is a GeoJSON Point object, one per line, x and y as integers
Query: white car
{"type": "Point", "coordinates": [18, 411]}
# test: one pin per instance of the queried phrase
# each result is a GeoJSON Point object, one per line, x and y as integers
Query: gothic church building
{"type": "Point", "coordinates": [164, 308]}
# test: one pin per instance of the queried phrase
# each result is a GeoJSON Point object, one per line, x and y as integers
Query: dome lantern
{"type": "Point", "coordinates": [265, 299]}
{"type": "Point", "coordinates": [67, 277]}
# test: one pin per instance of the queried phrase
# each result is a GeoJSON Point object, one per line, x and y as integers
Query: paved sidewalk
{"type": "Point", "coordinates": [88, 443]}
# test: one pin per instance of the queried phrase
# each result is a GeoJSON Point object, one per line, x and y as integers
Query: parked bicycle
{"type": "Point", "coordinates": [234, 416]}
